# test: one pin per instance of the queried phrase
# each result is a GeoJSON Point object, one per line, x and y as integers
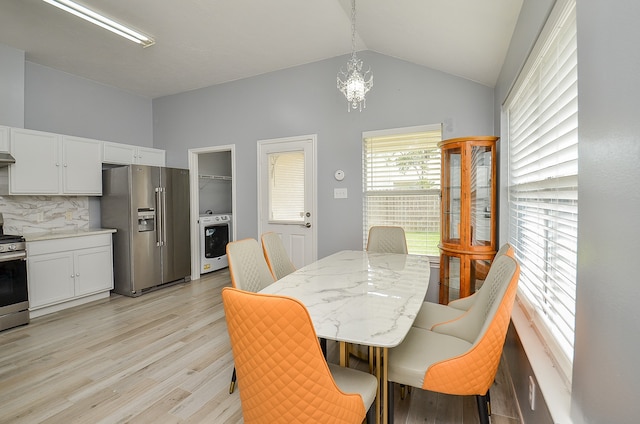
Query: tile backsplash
{"type": "Point", "coordinates": [34, 214]}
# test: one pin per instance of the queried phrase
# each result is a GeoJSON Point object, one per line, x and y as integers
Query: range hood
{"type": "Point", "coordinates": [6, 159]}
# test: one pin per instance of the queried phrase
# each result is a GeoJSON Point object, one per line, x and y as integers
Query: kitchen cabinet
{"type": "Point", "coordinates": [468, 218]}
{"type": "Point", "coordinates": [65, 272]}
{"type": "Point", "coordinates": [53, 164]}
{"type": "Point", "coordinates": [125, 154]}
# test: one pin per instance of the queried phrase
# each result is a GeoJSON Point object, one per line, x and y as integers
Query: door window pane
{"type": "Point", "coordinates": [286, 186]}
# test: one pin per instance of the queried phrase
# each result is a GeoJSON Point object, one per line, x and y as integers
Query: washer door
{"type": "Point", "coordinates": [216, 237]}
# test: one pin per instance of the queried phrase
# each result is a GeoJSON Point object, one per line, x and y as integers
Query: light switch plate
{"type": "Point", "coordinates": [339, 193]}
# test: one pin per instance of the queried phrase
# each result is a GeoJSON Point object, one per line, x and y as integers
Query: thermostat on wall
{"type": "Point", "coordinates": [339, 175]}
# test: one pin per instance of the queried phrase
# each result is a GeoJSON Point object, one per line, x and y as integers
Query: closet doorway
{"type": "Point", "coordinates": [213, 192]}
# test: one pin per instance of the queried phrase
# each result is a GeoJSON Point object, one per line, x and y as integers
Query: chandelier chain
{"type": "Point", "coordinates": [353, 26]}
{"type": "Point", "coordinates": [355, 84]}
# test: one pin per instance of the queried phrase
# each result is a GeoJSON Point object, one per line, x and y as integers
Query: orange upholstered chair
{"type": "Point", "coordinates": [248, 271]}
{"type": "Point", "coordinates": [282, 375]}
{"type": "Point", "coordinates": [277, 258]}
{"type": "Point", "coordinates": [461, 357]}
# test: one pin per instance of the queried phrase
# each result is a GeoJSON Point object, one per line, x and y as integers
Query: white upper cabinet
{"type": "Point", "coordinates": [82, 165]}
{"type": "Point", "coordinates": [52, 164]}
{"type": "Point", "coordinates": [55, 164]}
{"type": "Point", "coordinates": [37, 167]}
{"type": "Point", "coordinates": [125, 154]}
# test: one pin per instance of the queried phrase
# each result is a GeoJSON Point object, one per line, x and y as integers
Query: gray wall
{"type": "Point", "coordinates": [62, 103]}
{"type": "Point", "coordinates": [606, 375]}
{"type": "Point", "coordinates": [606, 378]}
{"type": "Point", "coordinates": [11, 87]}
{"type": "Point", "coordinates": [304, 100]}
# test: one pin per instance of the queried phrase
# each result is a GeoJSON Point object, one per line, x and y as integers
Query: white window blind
{"type": "Point", "coordinates": [286, 186]}
{"type": "Point", "coordinates": [542, 113]}
{"type": "Point", "coordinates": [402, 185]}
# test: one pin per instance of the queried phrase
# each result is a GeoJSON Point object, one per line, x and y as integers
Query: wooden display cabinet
{"type": "Point", "coordinates": [469, 210]}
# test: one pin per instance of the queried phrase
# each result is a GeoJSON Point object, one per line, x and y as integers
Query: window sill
{"type": "Point", "coordinates": [553, 387]}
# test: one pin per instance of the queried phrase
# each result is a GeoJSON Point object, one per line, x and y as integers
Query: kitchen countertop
{"type": "Point", "coordinates": [57, 234]}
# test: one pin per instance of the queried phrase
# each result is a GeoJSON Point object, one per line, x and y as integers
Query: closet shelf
{"type": "Point", "coordinates": [214, 177]}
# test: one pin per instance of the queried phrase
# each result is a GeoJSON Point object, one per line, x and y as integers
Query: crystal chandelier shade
{"type": "Point", "coordinates": [353, 83]}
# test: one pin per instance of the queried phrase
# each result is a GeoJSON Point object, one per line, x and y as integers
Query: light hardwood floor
{"type": "Point", "coordinates": [163, 357]}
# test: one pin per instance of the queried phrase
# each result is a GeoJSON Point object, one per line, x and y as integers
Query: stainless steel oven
{"type": "Point", "coordinates": [14, 298]}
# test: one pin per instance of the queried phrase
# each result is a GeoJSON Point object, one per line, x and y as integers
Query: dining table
{"type": "Point", "coordinates": [361, 297]}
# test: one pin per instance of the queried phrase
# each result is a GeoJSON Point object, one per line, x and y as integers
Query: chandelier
{"type": "Point", "coordinates": [353, 83]}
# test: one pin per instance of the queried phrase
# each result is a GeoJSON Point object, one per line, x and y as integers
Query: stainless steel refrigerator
{"type": "Point", "coordinates": [149, 208]}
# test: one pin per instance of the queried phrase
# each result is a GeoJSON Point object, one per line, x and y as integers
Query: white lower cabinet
{"type": "Point", "coordinates": [68, 271]}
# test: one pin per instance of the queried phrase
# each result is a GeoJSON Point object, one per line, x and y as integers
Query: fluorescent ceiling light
{"type": "Point", "coordinates": [102, 21]}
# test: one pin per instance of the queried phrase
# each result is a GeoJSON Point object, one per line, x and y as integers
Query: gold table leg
{"type": "Point", "coordinates": [385, 387]}
{"type": "Point", "coordinates": [344, 353]}
{"type": "Point", "coordinates": [378, 377]}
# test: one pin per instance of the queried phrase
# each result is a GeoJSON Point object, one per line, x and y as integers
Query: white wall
{"type": "Point", "coordinates": [304, 100]}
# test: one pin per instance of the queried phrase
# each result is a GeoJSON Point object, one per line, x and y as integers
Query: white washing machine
{"type": "Point", "coordinates": [215, 233]}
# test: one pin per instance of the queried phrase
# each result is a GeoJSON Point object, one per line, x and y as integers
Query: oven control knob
{"type": "Point", "coordinates": [12, 247]}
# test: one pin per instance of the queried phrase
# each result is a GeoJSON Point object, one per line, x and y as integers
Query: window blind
{"type": "Point", "coordinates": [402, 186]}
{"type": "Point", "coordinates": [542, 113]}
{"type": "Point", "coordinates": [286, 186]}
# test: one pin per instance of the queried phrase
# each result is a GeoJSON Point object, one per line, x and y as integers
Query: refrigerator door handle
{"type": "Point", "coordinates": [159, 218]}
{"type": "Point", "coordinates": [164, 215]}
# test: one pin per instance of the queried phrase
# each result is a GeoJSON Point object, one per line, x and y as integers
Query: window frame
{"type": "Point", "coordinates": [399, 132]}
{"type": "Point", "coordinates": [534, 316]}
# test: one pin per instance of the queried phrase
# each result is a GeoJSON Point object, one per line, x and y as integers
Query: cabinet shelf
{"type": "Point", "coordinates": [214, 177]}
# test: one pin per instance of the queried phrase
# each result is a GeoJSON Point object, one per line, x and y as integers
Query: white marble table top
{"type": "Point", "coordinates": [360, 297]}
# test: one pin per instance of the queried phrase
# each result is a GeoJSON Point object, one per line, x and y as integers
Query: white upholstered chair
{"type": "Point", "coordinates": [460, 357]}
{"type": "Point", "coordinates": [386, 239]}
{"type": "Point", "coordinates": [434, 313]}
{"type": "Point", "coordinates": [277, 258]}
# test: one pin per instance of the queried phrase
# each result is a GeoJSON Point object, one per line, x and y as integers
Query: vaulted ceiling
{"type": "Point", "coordinates": [205, 42]}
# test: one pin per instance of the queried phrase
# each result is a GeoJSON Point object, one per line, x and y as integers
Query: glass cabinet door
{"type": "Point", "coordinates": [480, 196]}
{"type": "Point", "coordinates": [451, 195]}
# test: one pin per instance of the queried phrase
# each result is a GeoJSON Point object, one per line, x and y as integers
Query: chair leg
{"type": "Point", "coordinates": [390, 402]}
{"type": "Point", "coordinates": [483, 408]}
{"type": "Point", "coordinates": [371, 414]}
{"type": "Point", "coordinates": [488, 402]}
{"type": "Point", "coordinates": [232, 386]}
{"type": "Point", "coordinates": [323, 346]}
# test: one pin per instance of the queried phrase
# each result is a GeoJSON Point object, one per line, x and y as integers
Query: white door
{"type": "Point", "coordinates": [287, 194]}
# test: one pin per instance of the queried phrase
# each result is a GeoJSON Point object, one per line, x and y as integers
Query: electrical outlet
{"type": "Point", "coordinates": [68, 215]}
{"type": "Point", "coordinates": [532, 393]}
